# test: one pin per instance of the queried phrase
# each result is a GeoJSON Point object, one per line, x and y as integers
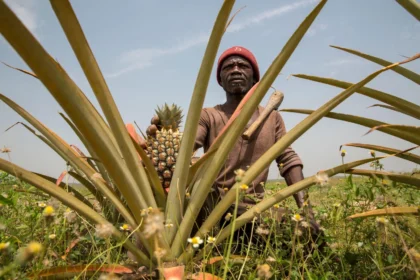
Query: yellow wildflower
{"type": "Point", "coordinates": [277, 206]}
{"type": "Point", "coordinates": [244, 187]}
{"type": "Point", "coordinates": [34, 248]}
{"type": "Point", "coordinates": [211, 239]}
{"type": "Point", "coordinates": [4, 246]}
{"type": "Point", "coordinates": [125, 227]}
{"type": "Point", "coordinates": [343, 153]}
{"type": "Point", "coordinates": [297, 218]}
{"type": "Point", "coordinates": [48, 211]}
{"type": "Point", "coordinates": [372, 153]}
{"type": "Point", "coordinates": [228, 216]}
{"type": "Point", "coordinates": [382, 220]}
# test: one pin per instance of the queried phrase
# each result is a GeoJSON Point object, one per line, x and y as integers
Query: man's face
{"type": "Point", "coordinates": [237, 75]}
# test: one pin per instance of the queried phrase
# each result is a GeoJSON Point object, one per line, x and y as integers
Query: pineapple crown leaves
{"type": "Point", "coordinates": [170, 117]}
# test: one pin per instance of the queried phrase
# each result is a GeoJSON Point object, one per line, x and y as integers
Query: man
{"type": "Point", "coordinates": [237, 72]}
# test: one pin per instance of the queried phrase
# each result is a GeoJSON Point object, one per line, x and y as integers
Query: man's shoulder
{"type": "Point", "coordinates": [211, 110]}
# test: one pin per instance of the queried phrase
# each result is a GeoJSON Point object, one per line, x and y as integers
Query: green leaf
{"type": "Point", "coordinates": [399, 153]}
{"type": "Point", "coordinates": [410, 180]}
{"type": "Point", "coordinates": [406, 210]}
{"type": "Point", "coordinates": [400, 103]}
{"type": "Point", "coordinates": [81, 48]}
{"type": "Point", "coordinates": [176, 196]}
{"type": "Point", "coordinates": [394, 109]}
{"type": "Point", "coordinates": [412, 6]}
{"type": "Point", "coordinates": [364, 122]}
{"type": "Point", "coordinates": [400, 70]}
{"type": "Point", "coordinates": [64, 150]}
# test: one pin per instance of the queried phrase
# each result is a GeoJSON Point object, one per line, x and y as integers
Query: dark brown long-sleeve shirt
{"type": "Point", "coordinates": [245, 152]}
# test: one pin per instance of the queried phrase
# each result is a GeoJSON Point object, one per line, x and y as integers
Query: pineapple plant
{"type": "Point", "coordinates": [163, 141]}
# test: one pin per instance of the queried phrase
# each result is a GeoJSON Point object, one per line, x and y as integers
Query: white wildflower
{"type": "Point", "coordinates": [262, 231]}
{"type": "Point", "coordinates": [108, 277]}
{"type": "Point", "coordinates": [322, 178]}
{"type": "Point", "coordinates": [263, 271]}
{"type": "Point", "coordinates": [270, 259]}
{"type": "Point", "coordinates": [153, 223]}
{"type": "Point", "coordinates": [104, 230]}
{"type": "Point", "coordinates": [195, 241]}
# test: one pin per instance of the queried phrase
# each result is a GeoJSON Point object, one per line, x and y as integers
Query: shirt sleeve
{"type": "Point", "coordinates": [202, 130]}
{"type": "Point", "coordinates": [289, 157]}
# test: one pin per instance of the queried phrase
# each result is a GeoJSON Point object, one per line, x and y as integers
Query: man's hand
{"type": "Point", "coordinates": [292, 176]}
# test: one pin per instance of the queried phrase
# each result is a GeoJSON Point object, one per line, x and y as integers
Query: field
{"type": "Point", "coordinates": [374, 248]}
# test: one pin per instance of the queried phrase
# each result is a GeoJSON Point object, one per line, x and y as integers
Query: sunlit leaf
{"type": "Point", "coordinates": [387, 212]}
{"type": "Point", "coordinates": [397, 102]}
{"type": "Point", "coordinates": [407, 156]}
{"type": "Point", "coordinates": [399, 69]}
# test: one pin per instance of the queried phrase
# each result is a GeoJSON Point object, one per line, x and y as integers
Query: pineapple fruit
{"type": "Point", "coordinates": [163, 141]}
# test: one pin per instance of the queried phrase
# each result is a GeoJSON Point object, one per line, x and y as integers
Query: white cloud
{"type": "Point", "coordinates": [342, 61]}
{"type": "Point", "coordinates": [143, 57]}
{"type": "Point", "coordinates": [25, 11]}
{"type": "Point", "coordinates": [316, 28]}
{"type": "Point", "coordinates": [282, 10]}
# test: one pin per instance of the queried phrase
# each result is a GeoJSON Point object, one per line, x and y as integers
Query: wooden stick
{"type": "Point", "coordinates": [273, 104]}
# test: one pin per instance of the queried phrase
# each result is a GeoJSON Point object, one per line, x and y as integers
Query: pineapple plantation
{"type": "Point", "coordinates": [133, 212]}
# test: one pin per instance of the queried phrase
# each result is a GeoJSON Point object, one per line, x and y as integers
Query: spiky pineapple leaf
{"type": "Point", "coordinates": [137, 192]}
{"type": "Point", "coordinates": [409, 180]}
{"type": "Point", "coordinates": [362, 121]}
{"type": "Point", "coordinates": [399, 69]}
{"type": "Point", "coordinates": [401, 154]}
{"type": "Point", "coordinates": [394, 109]}
{"type": "Point", "coordinates": [412, 6]}
{"type": "Point", "coordinates": [397, 102]}
{"type": "Point", "coordinates": [176, 196]}
{"type": "Point", "coordinates": [405, 210]}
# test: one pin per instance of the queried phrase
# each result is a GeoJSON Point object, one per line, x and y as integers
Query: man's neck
{"type": "Point", "coordinates": [232, 101]}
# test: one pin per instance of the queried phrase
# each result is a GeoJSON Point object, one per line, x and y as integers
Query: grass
{"type": "Point", "coordinates": [355, 249]}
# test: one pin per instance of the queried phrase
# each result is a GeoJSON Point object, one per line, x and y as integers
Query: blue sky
{"type": "Point", "coordinates": [150, 53]}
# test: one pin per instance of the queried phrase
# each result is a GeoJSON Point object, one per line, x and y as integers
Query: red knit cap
{"type": "Point", "coordinates": [241, 51]}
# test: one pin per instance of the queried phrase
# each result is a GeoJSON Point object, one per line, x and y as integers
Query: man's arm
{"type": "Point", "coordinates": [202, 130]}
{"type": "Point", "coordinates": [289, 163]}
